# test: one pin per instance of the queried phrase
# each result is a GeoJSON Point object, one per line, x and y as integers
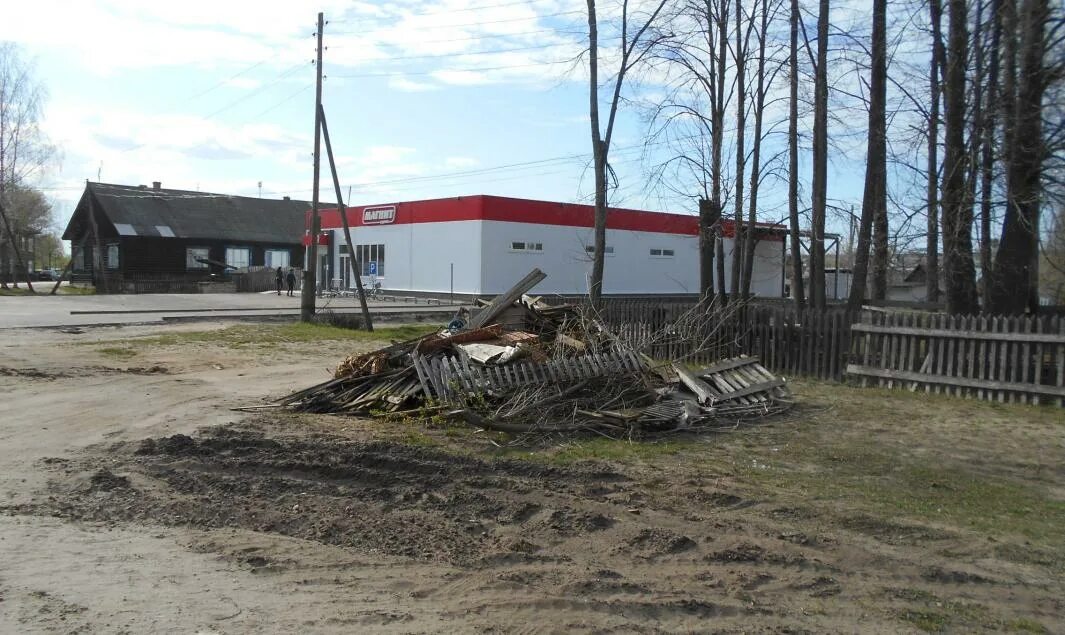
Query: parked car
{"type": "Point", "coordinates": [48, 274]}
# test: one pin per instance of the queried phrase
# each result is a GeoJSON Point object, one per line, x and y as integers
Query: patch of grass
{"type": "Point", "coordinates": [242, 335]}
{"type": "Point", "coordinates": [13, 292]}
{"type": "Point", "coordinates": [70, 290]}
{"type": "Point", "coordinates": [117, 352]}
{"type": "Point", "coordinates": [1025, 625]}
{"type": "Point", "coordinates": [620, 450]}
{"type": "Point", "coordinates": [927, 621]}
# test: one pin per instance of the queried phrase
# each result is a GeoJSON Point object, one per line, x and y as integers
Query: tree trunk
{"type": "Point", "coordinates": [1016, 268]}
{"type": "Point", "coordinates": [756, 155]}
{"type": "Point", "coordinates": [957, 217]}
{"type": "Point", "coordinates": [709, 220]}
{"type": "Point", "coordinates": [819, 182]}
{"type": "Point", "coordinates": [741, 154]}
{"type": "Point", "coordinates": [936, 67]}
{"type": "Point", "coordinates": [987, 159]}
{"type": "Point", "coordinates": [797, 290]}
{"type": "Point", "coordinates": [595, 282]}
{"type": "Point", "coordinates": [874, 204]}
{"type": "Point", "coordinates": [717, 142]}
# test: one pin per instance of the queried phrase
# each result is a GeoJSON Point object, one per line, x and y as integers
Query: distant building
{"type": "Point", "coordinates": [481, 245]}
{"type": "Point", "coordinates": [155, 239]}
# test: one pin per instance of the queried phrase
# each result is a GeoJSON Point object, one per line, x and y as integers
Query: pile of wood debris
{"type": "Point", "coordinates": [519, 366]}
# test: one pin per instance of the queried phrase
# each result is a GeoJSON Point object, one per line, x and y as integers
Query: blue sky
{"type": "Point", "coordinates": [424, 99]}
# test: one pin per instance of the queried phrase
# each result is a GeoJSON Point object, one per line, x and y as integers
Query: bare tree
{"type": "Point", "coordinates": [24, 150]}
{"type": "Point", "coordinates": [632, 49]}
{"type": "Point", "coordinates": [793, 158]}
{"type": "Point", "coordinates": [936, 67]}
{"type": "Point", "coordinates": [957, 216]}
{"type": "Point", "coordinates": [739, 58]}
{"type": "Point", "coordinates": [1016, 269]}
{"type": "Point", "coordinates": [874, 201]}
{"type": "Point", "coordinates": [819, 183]}
{"type": "Point", "coordinates": [763, 81]}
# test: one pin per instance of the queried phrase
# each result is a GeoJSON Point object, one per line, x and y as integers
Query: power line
{"type": "Point", "coordinates": [231, 78]}
{"type": "Point", "coordinates": [440, 55]}
{"type": "Point", "coordinates": [258, 90]}
{"type": "Point", "coordinates": [456, 26]}
{"type": "Point", "coordinates": [283, 101]}
{"type": "Point", "coordinates": [446, 11]}
{"type": "Point", "coordinates": [454, 70]}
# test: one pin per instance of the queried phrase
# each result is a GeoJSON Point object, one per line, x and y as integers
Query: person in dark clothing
{"type": "Point", "coordinates": [280, 279]}
{"type": "Point", "coordinates": [291, 279]}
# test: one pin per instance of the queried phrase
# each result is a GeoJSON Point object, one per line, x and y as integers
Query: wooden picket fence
{"type": "Point", "coordinates": [788, 341]}
{"type": "Point", "coordinates": [1006, 359]}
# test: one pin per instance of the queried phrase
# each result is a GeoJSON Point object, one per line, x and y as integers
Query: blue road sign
{"type": "Point", "coordinates": [373, 268]}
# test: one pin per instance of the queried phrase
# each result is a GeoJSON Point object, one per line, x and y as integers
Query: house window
{"type": "Point", "coordinates": [608, 250]}
{"type": "Point", "coordinates": [112, 256]}
{"type": "Point", "coordinates": [371, 258]}
{"type": "Point", "coordinates": [78, 254]}
{"type": "Point", "coordinates": [239, 257]}
{"type": "Point", "coordinates": [277, 258]}
{"type": "Point", "coordinates": [662, 253]}
{"type": "Point", "coordinates": [526, 246]}
{"type": "Point", "coordinates": [195, 257]}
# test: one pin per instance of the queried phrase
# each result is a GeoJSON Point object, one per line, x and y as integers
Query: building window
{"type": "Point", "coordinates": [196, 257]}
{"type": "Point", "coordinates": [276, 258]}
{"type": "Point", "coordinates": [662, 253]}
{"type": "Point", "coordinates": [526, 246]}
{"type": "Point", "coordinates": [112, 256]}
{"type": "Point", "coordinates": [371, 258]}
{"type": "Point", "coordinates": [239, 257]}
{"type": "Point", "coordinates": [608, 250]}
{"type": "Point", "coordinates": [78, 254]}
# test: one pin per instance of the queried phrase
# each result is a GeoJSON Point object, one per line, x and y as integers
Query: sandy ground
{"type": "Point", "coordinates": [132, 499]}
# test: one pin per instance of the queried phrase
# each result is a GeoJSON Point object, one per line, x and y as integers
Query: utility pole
{"type": "Point", "coordinates": [310, 274]}
{"type": "Point", "coordinates": [367, 322]}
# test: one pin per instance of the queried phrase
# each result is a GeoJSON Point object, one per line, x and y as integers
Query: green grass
{"type": "Point", "coordinates": [927, 621]}
{"type": "Point", "coordinates": [268, 335]}
{"type": "Point", "coordinates": [69, 290]}
{"type": "Point", "coordinates": [599, 449]}
{"type": "Point", "coordinates": [44, 288]}
{"type": "Point", "coordinates": [117, 352]}
{"type": "Point", "coordinates": [1025, 625]}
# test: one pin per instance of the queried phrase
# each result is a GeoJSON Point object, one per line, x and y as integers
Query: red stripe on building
{"type": "Point", "coordinates": [515, 210]}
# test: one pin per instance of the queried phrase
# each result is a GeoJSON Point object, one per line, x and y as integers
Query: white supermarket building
{"type": "Point", "coordinates": [481, 245]}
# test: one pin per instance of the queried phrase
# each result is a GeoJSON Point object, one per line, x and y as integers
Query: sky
{"type": "Point", "coordinates": [424, 99]}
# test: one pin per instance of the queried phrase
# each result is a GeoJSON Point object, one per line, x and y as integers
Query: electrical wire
{"type": "Point", "coordinates": [443, 55]}
{"type": "Point", "coordinates": [452, 70]}
{"type": "Point", "coordinates": [446, 11]}
{"type": "Point", "coordinates": [457, 26]}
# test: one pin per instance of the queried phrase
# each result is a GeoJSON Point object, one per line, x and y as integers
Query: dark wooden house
{"type": "Point", "coordinates": [130, 239]}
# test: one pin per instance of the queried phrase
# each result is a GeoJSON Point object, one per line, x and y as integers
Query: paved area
{"type": "Point", "coordinates": [85, 310]}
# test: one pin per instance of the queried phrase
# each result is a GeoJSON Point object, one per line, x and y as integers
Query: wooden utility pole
{"type": "Point", "coordinates": [344, 219]}
{"type": "Point", "coordinates": [310, 274]}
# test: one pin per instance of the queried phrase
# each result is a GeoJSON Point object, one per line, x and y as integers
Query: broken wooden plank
{"type": "Point", "coordinates": [502, 302]}
{"type": "Point", "coordinates": [694, 384]}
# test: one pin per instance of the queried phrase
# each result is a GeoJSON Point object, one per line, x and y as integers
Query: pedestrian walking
{"type": "Point", "coordinates": [279, 279]}
{"type": "Point", "coordinates": [291, 279]}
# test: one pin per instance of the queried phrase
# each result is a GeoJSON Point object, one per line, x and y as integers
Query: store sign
{"type": "Point", "coordinates": [378, 215]}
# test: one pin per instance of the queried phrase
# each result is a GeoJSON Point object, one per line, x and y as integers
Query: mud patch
{"type": "Point", "coordinates": [30, 373]}
{"type": "Point", "coordinates": [653, 542]}
{"type": "Point", "coordinates": [375, 497]}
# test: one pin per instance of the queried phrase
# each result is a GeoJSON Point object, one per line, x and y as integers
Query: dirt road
{"type": "Point", "coordinates": [132, 499]}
